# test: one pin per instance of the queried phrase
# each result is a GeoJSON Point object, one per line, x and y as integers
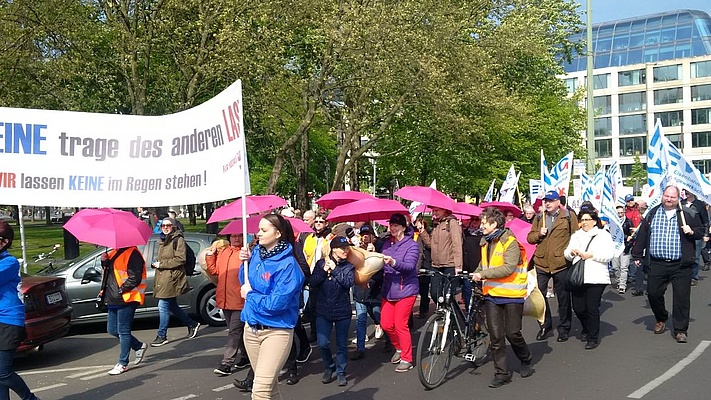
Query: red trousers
{"type": "Point", "coordinates": [393, 319]}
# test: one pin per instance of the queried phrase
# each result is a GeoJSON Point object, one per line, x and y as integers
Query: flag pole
{"type": "Point", "coordinates": [22, 238]}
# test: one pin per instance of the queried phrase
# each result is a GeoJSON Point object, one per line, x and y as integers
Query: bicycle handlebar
{"type": "Point", "coordinates": [433, 272]}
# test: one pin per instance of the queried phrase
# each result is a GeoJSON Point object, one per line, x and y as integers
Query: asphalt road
{"type": "Point", "coordinates": [631, 362]}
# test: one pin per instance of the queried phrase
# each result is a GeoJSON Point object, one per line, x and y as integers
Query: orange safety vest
{"type": "Point", "coordinates": [138, 294]}
{"type": "Point", "coordinates": [512, 286]}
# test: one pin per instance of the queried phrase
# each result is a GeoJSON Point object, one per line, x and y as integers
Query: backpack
{"type": "Point", "coordinates": [190, 259]}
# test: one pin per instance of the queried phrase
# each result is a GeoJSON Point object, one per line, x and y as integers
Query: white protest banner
{"type": "Point", "coordinates": [545, 178]}
{"type": "Point", "coordinates": [657, 165]}
{"type": "Point", "coordinates": [608, 210]}
{"type": "Point", "coordinates": [535, 189]}
{"type": "Point", "coordinates": [559, 176]}
{"type": "Point", "coordinates": [508, 187]}
{"type": "Point", "coordinates": [490, 193]}
{"type": "Point", "coordinates": [75, 159]}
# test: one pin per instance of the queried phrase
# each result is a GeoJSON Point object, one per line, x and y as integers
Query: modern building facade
{"type": "Point", "coordinates": [655, 66]}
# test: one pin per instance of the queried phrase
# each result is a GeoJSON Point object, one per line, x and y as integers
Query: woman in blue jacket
{"type": "Point", "coordinates": [271, 305]}
{"type": "Point", "coordinates": [12, 318]}
{"type": "Point", "coordinates": [400, 289]}
{"type": "Point", "coordinates": [333, 279]}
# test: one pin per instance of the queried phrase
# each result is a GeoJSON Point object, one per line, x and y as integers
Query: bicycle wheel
{"type": "Point", "coordinates": [482, 340]}
{"type": "Point", "coordinates": [434, 356]}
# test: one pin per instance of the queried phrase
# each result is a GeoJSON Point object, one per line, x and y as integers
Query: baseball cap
{"type": "Point", "coordinates": [629, 197]}
{"type": "Point", "coordinates": [398, 219]}
{"type": "Point", "coordinates": [551, 195]}
{"type": "Point", "coordinates": [339, 242]}
{"type": "Point", "coordinates": [366, 229]}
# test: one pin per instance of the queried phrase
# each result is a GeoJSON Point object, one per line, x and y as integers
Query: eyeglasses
{"type": "Point", "coordinates": [319, 221]}
{"type": "Point", "coordinates": [166, 225]}
{"type": "Point", "coordinates": [586, 219]}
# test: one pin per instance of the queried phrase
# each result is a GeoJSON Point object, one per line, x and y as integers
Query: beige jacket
{"type": "Point", "coordinates": [446, 243]}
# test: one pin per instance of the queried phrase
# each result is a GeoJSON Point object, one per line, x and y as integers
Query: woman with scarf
{"type": "Point", "coordinates": [12, 318]}
{"type": "Point", "coordinates": [503, 275]}
{"type": "Point", "coordinates": [594, 245]}
{"type": "Point", "coordinates": [271, 290]}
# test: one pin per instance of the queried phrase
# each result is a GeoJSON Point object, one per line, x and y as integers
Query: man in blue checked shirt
{"type": "Point", "coordinates": [666, 242]}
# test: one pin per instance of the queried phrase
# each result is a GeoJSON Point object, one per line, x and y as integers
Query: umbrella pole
{"type": "Point", "coordinates": [245, 264]}
{"type": "Point", "coordinates": [22, 238]}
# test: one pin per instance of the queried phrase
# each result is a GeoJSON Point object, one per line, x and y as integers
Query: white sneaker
{"type": "Point", "coordinates": [140, 353]}
{"type": "Point", "coordinates": [118, 369]}
{"type": "Point", "coordinates": [378, 332]}
{"type": "Point", "coordinates": [355, 339]}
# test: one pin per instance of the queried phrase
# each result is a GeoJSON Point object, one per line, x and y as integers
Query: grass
{"type": "Point", "coordinates": [40, 238]}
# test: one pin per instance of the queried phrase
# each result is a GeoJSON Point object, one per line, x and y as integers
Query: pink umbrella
{"type": "Point", "coordinates": [255, 205]}
{"type": "Point", "coordinates": [504, 207]}
{"type": "Point", "coordinates": [235, 227]}
{"type": "Point", "coordinates": [520, 229]}
{"type": "Point", "coordinates": [466, 209]}
{"type": "Point", "coordinates": [426, 195]}
{"type": "Point", "coordinates": [298, 225]}
{"type": "Point", "coordinates": [366, 210]}
{"type": "Point", "coordinates": [108, 227]}
{"type": "Point", "coordinates": [337, 198]}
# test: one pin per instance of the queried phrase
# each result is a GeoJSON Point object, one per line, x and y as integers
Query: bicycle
{"type": "Point", "coordinates": [448, 332]}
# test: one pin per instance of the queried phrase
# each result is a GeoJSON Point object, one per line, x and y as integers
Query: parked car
{"type": "Point", "coordinates": [47, 311]}
{"type": "Point", "coordinates": [83, 282]}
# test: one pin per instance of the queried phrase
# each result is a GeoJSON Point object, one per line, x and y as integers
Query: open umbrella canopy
{"type": "Point", "coordinates": [426, 195]}
{"type": "Point", "coordinates": [235, 227]}
{"type": "Point", "coordinates": [108, 227]}
{"type": "Point", "coordinates": [520, 229]}
{"type": "Point", "coordinates": [337, 198]}
{"type": "Point", "coordinates": [504, 207]}
{"type": "Point", "coordinates": [466, 209]}
{"type": "Point", "coordinates": [366, 210]}
{"type": "Point", "coordinates": [255, 205]}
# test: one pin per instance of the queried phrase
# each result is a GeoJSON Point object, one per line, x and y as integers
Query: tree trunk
{"type": "Point", "coordinates": [302, 174]}
{"type": "Point", "coordinates": [191, 214]}
{"type": "Point", "coordinates": [212, 227]}
{"type": "Point", "coordinates": [48, 216]}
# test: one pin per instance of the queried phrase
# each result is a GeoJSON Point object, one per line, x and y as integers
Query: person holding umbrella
{"type": "Point", "coordinates": [12, 318]}
{"type": "Point", "coordinates": [123, 289]}
{"type": "Point", "coordinates": [170, 281]}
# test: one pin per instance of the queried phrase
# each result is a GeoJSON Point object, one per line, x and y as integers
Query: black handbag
{"type": "Point", "coordinates": [576, 273]}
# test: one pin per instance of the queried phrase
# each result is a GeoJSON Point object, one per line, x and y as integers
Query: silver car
{"type": "Point", "coordinates": [83, 282]}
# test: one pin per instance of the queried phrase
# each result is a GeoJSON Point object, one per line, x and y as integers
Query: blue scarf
{"type": "Point", "coordinates": [280, 246]}
{"type": "Point", "coordinates": [494, 235]}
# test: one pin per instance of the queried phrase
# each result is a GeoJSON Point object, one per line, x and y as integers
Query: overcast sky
{"type": "Point", "coordinates": [608, 10]}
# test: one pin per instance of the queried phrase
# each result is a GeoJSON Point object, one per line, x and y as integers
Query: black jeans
{"type": "Point", "coordinates": [565, 311]}
{"type": "Point", "coordinates": [424, 282]}
{"type": "Point", "coordinates": [586, 304]}
{"type": "Point", "coordinates": [504, 322]}
{"type": "Point", "coordinates": [661, 274]}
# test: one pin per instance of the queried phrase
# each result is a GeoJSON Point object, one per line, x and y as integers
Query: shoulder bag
{"type": "Point", "coordinates": [576, 275]}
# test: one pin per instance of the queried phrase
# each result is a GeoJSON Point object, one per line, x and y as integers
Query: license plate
{"type": "Point", "coordinates": [54, 297]}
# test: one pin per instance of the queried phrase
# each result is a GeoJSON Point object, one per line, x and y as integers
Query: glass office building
{"type": "Point", "coordinates": [648, 68]}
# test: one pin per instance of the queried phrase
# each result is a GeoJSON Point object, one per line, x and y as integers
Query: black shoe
{"type": "Point", "coordinates": [591, 345]}
{"type": "Point", "coordinates": [223, 370]}
{"type": "Point", "coordinates": [159, 341]}
{"type": "Point", "coordinates": [562, 337]}
{"type": "Point", "coordinates": [328, 376]}
{"type": "Point", "coordinates": [242, 363]}
{"type": "Point", "coordinates": [583, 337]}
{"type": "Point", "coordinates": [526, 370]}
{"type": "Point", "coordinates": [193, 330]}
{"type": "Point", "coordinates": [358, 355]}
{"type": "Point", "coordinates": [638, 293]}
{"type": "Point", "coordinates": [245, 385]}
{"type": "Point", "coordinates": [500, 381]}
{"type": "Point", "coordinates": [304, 355]}
{"type": "Point", "coordinates": [543, 334]}
{"type": "Point", "coordinates": [342, 381]}
{"type": "Point", "coordinates": [293, 378]}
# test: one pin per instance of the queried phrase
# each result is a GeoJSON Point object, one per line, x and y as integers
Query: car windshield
{"type": "Point", "coordinates": [64, 265]}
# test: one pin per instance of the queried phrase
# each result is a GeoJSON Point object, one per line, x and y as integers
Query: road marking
{"type": "Point", "coordinates": [639, 393]}
{"type": "Point", "coordinates": [186, 397]}
{"type": "Point", "coordinates": [85, 373]}
{"type": "Point", "coordinates": [101, 375]}
{"type": "Point", "coordinates": [221, 388]}
{"type": "Point", "coordinates": [40, 389]}
{"type": "Point", "coordinates": [51, 371]}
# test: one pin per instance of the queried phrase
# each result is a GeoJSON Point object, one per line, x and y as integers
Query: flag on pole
{"type": "Point", "coordinates": [545, 178]}
{"type": "Point", "coordinates": [535, 189]}
{"type": "Point", "coordinates": [586, 187]}
{"type": "Point", "coordinates": [559, 176]}
{"type": "Point", "coordinates": [657, 165]}
{"type": "Point", "coordinates": [490, 193]}
{"type": "Point", "coordinates": [413, 206]}
{"type": "Point", "coordinates": [506, 194]}
{"type": "Point", "coordinates": [608, 209]}
{"type": "Point", "coordinates": [598, 184]}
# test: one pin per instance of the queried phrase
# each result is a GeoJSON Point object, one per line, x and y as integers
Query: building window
{"type": "Point", "coordinates": [701, 116]}
{"type": "Point", "coordinates": [630, 124]}
{"type": "Point", "coordinates": [668, 73]}
{"type": "Point", "coordinates": [603, 148]}
{"type": "Point", "coordinates": [633, 146]}
{"type": "Point", "coordinates": [701, 93]}
{"type": "Point", "coordinates": [629, 78]}
{"type": "Point", "coordinates": [601, 81]}
{"type": "Point", "coordinates": [631, 102]}
{"type": "Point", "coordinates": [669, 118]}
{"type": "Point", "coordinates": [701, 139]}
{"type": "Point", "coordinates": [603, 105]}
{"type": "Point", "coordinates": [603, 127]}
{"type": "Point", "coordinates": [675, 139]}
{"type": "Point", "coordinates": [703, 165]}
{"type": "Point", "coordinates": [668, 96]}
{"type": "Point", "coordinates": [701, 69]}
{"type": "Point", "coordinates": [571, 84]}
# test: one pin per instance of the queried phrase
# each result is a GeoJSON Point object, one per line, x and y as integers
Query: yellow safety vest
{"type": "Point", "coordinates": [138, 294]}
{"type": "Point", "coordinates": [512, 286]}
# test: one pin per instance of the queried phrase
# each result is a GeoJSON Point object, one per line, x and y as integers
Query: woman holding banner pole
{"type": "Point", "coordinates": [271, 289]}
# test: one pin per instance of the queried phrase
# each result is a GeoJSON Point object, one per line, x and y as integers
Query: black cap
{"type": "Point", "coordinates": [398, 219]}
{"type": "Point", "coordinates": [339, 242]}
{"type": "Point", "coordinates": [366, 229]}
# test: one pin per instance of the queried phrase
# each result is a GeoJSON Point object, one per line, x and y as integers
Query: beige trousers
{"type": "Point", "coordinates": [268, 350]}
